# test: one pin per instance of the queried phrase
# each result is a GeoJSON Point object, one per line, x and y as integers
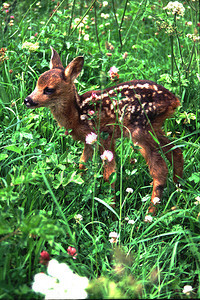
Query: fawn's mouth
{"type": "Point", "coordinates": [30, 103]}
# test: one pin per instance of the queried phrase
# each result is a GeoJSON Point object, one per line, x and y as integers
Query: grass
{"type": "Point", "coordinates": [41, 186]}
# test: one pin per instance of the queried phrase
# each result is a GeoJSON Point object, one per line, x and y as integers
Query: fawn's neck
{"type": "Point", "coordinates": [67, 114]}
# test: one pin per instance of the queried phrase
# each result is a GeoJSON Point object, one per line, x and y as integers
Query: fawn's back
{"type": "Point", "coordinates": [137, 103]}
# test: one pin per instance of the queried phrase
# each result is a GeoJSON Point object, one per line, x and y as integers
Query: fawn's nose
{"type": "Point", "coordinates": [29, 102]}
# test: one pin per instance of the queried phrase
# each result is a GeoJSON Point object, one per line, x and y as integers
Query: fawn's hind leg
{"type": "Point", "coordinates": [158, 170]}
{"type": "Point", "coordinates": [157, 165]}
{"type": "Point", "coordinates": [174, 156]}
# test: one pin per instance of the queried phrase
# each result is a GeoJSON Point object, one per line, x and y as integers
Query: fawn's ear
{"type": "Point", "coordinates": [74, 68]}
{"type": "Point", "coordinates": [55, 61]}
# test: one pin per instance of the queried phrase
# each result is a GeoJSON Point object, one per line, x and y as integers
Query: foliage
{"type": "Point", "coordinates": [42, 189]}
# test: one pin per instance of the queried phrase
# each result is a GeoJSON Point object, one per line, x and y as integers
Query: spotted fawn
{"type": "Point", "coordinates": [137, 107]}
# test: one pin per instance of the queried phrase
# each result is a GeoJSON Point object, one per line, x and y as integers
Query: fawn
{"type": "Point", "coordinates": [141, 110]}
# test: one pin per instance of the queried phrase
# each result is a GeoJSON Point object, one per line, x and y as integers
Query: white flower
{"type": "Point", "coordinates": [148, 219]}
{"type": "Point", "coordinates": [61, 283]}
{"type": "Point", "coordinates": [113, 234]}
{"type": "Point", "coordinates": [145, 198]}
{"type": "Point", "coordinates": [156, 200]}
{"type": "Point", "coordinates": [131, 222]}
{"type": "Point", "coordinates": [105, 16]}
{"type": "Point", "coordinates": [129, 190]}
{"type": "Point", "coordinates": [78, 218]}
{"type": "Point", "coordinates": [107, 155]}
{"type": "Point", "coordinates": [113, 70]}
{"type": "Point", "coordinates": [189, 23]}
{"type": "Point", "coordinates": [114, 237]}
{"type": "Point", "coordinates": [175, 8]}
{"type": "Point", "coordinates": [105, 3]}
{"type": "Point", "coordinates": [198, 200]}
{"type": "Point", "coordinates": [86, 37]}
{"type": "Point", "coordinates": [187, 289]}
{"type": "Point", "coordinates": [91, 138]}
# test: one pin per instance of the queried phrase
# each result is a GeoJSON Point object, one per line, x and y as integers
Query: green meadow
{"type": "Point", "coordinates": [48, 204]}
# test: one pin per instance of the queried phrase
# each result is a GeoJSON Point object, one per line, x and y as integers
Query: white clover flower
{"type": "Point", "coordinates": [145, 198]}
{"type": "Point", "coordinates": [156, 200]}
{"type": "Point", "coordinates": [148, 219]}
{"type": "Point", "coordinates": [198, 200]}
{"type": "Point", "coordinates": [113, 70]}
{"type": "Point", "coordinates": [188, 23]}
{"type": "Point", "coordinates": [107, 155]}
{"type": "Point", "coordinates": [129, 190]}
{"type": "Point", "coordinates": [105, 16]}
{"type": "Point", "coordinates": [114, 237]}
{"type": "Point", "coordinates": [86, 37]}
{"type": "Point", "coordinates": [175, 8]}
{"type": "Point", "coordinates": [105, 3]}
{"type": "Point", "coordinates": [91, 138]}
{"type": "Point", "coordinates": [187, 289]}
{"type": "Point", "coordinates": [131, 222]}
{"type": "Point", "coordinates": [61, 283]}
{"type": "Point", "coordinates": [78, 218]}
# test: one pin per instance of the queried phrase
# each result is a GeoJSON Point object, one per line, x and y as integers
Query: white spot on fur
{"type": "Point", "coordinates": [83, 117]}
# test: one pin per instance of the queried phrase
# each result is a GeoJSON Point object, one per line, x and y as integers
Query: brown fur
{"type": "Point", "coordinates": [138, 106]}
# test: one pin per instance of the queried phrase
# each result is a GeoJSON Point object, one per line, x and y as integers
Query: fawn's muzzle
{"type": "Point", "coordinates": [29, 102]}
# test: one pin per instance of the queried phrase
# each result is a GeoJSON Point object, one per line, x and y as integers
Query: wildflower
{"type": "Point", "coordinates": [86, 37]}
{"type": "Point", "coordinates": [188, 23]}
{"type": "Point", "coordinates": [105, 16]}
{"type": "Point", "coordinates": [72, 252]}
{"type": "Point", "coordinates": [187, 289]}
{"type": "Point", "coordinates": [148, 219]}
{"type": "Point", "coordinates": [131, 222]}
{"type": "Point", "coordinates": [114, 237]}
{"type": "Point", "coordinates": [30, 46]}
{"type": "Point", "coordinates": [6, 5]}
{"type": "Point", "coordinates": [44, 258]}
{"type": "Point", "coordinates": [78, 218]}
{"type": "Point", "coordinates": [156, 200]}
{"type": "Point", "coordinates": [113, 73]}
{"type": "Point", "coordinates": [107, 155]}
{"type": "Point", "coordinates": [198, 200]}
{"type": "Point", "coordinates": [91, 138]}
{"type": "Point", "coordinates": [175, 8]}
{"type": "Point", "coordinates": [60, 283]}
{"type": "Point", "coordinates": [193, 37]}
{"type": "Point", "coordinates": [129, 190]}
{"type": "Point", "coordinates": [145, 198]}
{"type": "Point", "coordinates": [105, 3]}
{"type": "Point", "coordinates": [91, 112]}
{"type": "Point", "coordinates": [12, 17]}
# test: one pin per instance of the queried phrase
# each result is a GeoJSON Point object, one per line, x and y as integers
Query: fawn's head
{"type": "Point", "coordinates": [56, 84]}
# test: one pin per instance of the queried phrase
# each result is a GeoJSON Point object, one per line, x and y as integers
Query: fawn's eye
{"type": "Point", "coordinates": [48, 91]}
